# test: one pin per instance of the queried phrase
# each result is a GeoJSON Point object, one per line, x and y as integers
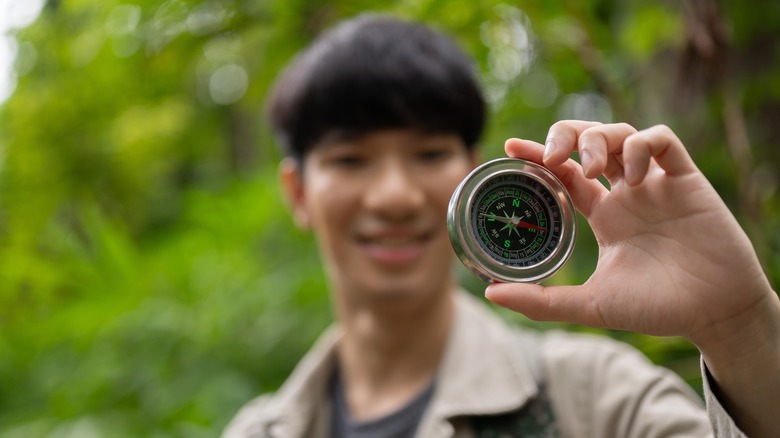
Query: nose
{"type": "Point", "coordinates": [395, 191]}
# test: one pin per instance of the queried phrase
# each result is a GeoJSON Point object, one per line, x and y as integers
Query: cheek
{"type": "Point", "coordinates": [450, 180]}
{"type": "Point", "coordinates": [442, 188]}
{"type": "Point", "coordinates": [329, 203]}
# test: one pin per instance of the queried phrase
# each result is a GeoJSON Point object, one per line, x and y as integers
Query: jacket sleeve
{"type": "Point", "coordinates": [246, 423]}
{"type": "Point", "coordinates": [722, 423]}
{"type": "Point", "coordinates": [599, 388]}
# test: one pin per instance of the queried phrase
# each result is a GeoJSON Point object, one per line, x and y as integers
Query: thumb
{"type": "Point", "coordinates": [553, 303]}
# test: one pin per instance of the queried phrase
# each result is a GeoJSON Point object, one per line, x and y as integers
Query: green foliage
{"type": "Point", "coordinates": [151, 280]}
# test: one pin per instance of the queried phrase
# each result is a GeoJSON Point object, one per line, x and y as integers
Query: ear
{"type": "Point", "coordinates": [291, 180]}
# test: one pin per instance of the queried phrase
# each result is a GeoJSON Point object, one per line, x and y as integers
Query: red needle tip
{"type": "Point", "coordinates": [527, 225]}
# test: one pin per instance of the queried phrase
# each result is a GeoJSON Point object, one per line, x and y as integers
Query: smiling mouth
{"type": "Point", "coordinates": [395, 250]}
{"type": "Point", "coordinates": [395, 242]}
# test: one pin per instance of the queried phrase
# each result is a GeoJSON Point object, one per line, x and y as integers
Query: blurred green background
{"type": "Point", "coordinates": [151, 281]}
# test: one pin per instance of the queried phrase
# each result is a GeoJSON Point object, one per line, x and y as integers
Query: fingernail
{"type": "Point", "coordinates": [585, 160]}
{"type": "Point", "coordinates": [549, 148]}
{"type": "Point", "coordinates": [628, 173]}
{"type": "Point", "coordinates": [489, 291]}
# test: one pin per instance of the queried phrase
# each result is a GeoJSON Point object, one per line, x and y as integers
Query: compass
{"type": "Point", "coordinates": [512, 220]}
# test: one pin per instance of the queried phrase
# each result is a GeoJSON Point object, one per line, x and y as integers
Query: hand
{"type": "Point", "coordinates": [672, 259]}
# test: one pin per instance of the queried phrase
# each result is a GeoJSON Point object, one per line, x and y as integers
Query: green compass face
{"type": "Point", "coordinates": [517, 219]}
{"type": "Point", "coordinates": [512, 220]}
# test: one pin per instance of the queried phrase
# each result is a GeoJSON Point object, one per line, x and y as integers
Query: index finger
{"type": "Point", "coordinates": [562, 140]}
{"type": "Point", "coordinates": [584, 192]}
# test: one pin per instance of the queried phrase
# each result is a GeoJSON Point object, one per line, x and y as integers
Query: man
{"type": "Point", "coordinates": [379, 119]}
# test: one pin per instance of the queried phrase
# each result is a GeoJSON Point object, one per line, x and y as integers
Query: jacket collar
{"type": "Point", "coordinates": [301, 407]}
{"type": "Point", "coordinates": [483, 372]}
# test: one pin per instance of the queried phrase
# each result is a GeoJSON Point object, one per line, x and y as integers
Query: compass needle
{"type": "Point", "coordinates": [538, 241]}
{"type": "Point", "coordinates": [498, 218]}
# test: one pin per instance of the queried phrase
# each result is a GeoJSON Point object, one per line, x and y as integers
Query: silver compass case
{"type": "Point", "coordinates": [462, 228]}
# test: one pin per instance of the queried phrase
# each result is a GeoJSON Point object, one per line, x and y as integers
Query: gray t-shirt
{"type": "Point", "coordinates": [399, 424]}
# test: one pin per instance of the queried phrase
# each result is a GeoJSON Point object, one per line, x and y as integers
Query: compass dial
{"type": "Point", "coordinates": [512, 220]}
{"type": "Point", "coordinates": [517, 219]}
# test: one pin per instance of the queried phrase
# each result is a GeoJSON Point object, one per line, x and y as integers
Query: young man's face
{"type": "Point", "coordinates": [378, 205]}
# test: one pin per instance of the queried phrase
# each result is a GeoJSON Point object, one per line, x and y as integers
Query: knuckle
{"type": "Point", "coordinates": [558, 126]}
{"type": "Point", "coordinates": [595, 137]}
{"type": "Point", "coordinates": [663, 129]}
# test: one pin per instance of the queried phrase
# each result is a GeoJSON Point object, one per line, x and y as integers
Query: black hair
{"type": "Point", "coordinates": [376, 72]}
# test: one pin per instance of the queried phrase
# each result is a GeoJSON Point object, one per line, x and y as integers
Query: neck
{"type": "Point", "coordinates": [387, 357]}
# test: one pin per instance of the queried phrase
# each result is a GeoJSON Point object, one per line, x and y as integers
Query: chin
{"type": "Point", "coordinates": [387, 293]}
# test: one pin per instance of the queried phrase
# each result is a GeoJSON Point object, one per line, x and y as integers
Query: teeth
{"type": "Point", "coordinates": [394, 242]}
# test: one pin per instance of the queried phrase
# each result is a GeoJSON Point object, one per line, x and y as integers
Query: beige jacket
{"type": "Point", "coordinates": [597, 387]}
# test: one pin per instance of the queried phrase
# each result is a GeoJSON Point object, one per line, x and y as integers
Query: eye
{"type": "Point", "coordinates": [433, 154]}
{"type": "Point", "coordinates": [347, 161]}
